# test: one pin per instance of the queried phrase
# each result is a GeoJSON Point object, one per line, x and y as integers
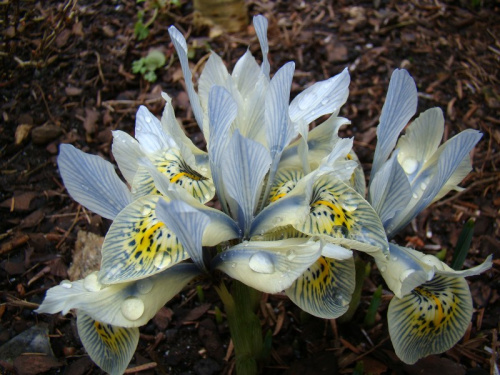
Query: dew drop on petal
{"type": "Point", "coordinates": [91, 283]}
{"type": "Point", "coordinates": [66, 284]}
{"type": "Point", "coordinates": [348, 202]}
{"type": "Point", "coordinates": [290, 254]}
{"type": "Point", "coordinates": [261, 262]}
{"type": "Point", "coordinates": [162, 260]}
{"type": "Point", "coordinates": [132, 308]}
{"type": "Point", "coordinates": [144, 286]}
{"type": "Point", "coordinates": [146, 210]}
{"type": "Point", "coordinates": [410, 165]}
{"type": "Point", "coordinates": [138, 267]}
{"type": "Point", "coordinates": [233, 265]}
{"type": "Point", "coordinates": [415, 195]}
{"type": "Point", "coordinates": [148, 120]}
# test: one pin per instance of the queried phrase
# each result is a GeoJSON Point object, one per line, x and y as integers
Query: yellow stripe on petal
{"type": "Point", "coordinates": [431, 319]}
{"type": "Point", "coordinates": [171, 164]}
{"type": "Point", "coordinates": [339, 214]}
{"type": "Point", "coordinates": [110, 347]}
{"type": "Point", "coordinates": [325, 289]}
{"type": "Point", "coordinates": [284, 182]}
{"type": "Point", "coordinates": [138, 245]}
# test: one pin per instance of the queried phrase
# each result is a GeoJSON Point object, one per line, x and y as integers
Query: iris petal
{"type": "Point", "coordinates": [110, 347]}
{"type": "Point", "coordinates": [431, 319]}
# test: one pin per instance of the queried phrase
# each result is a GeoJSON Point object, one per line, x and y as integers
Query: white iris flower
{"type": "Point", "coordinates": [432, 306]}
{"type": "Point", "coordinates": [291, 200]}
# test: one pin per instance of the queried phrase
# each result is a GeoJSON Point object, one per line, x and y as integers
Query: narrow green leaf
{"type": "Point", "coordinates": [372, 309]}
{"type": "Point", "coordinates": [362, 271]}
{"type": "Point", "coordinates": [463, 245]}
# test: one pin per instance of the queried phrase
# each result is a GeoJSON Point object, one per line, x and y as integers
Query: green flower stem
{"type": "Point", "coordinates": [244, 325]}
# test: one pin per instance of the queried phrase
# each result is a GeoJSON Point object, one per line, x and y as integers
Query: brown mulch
{"type": "Point", "coordinates": [65, 77]}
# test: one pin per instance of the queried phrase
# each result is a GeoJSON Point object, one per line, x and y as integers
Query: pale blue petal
{"type": "Point", "coordinates": [246, 73]}
{"type": "Point", "coordinates": [322, 98]}
{"type": "Point", "coordinates": [188, 224]}
{"type": "Point", "coordinates": [214, 74]}
{"type": "Point", "coordinates": [245, 167]}
{"type": "Point", "coordinates": [390, 191]}
{"type": "Point", "coordinates": [435, 175]}
{"type": "Point", "coordinates": [260, 25]}
{"type": "Point", "coordinates": [127, 152]}
{"type": "Point", "coordinates": [400, 105]}
{"type": "Point", "coordinates": [182, 50]}
{"type": "Point", "coordinates": [92, 182]}
{"type": "Point", "coordinates": [110, 347]}
{"type": "Point", "coordinates": [222, 110]}
{"type": "Point", "coordinates": [149, 132]}
{"type": "Point", "coordinates": [130, 304]}
{"type": "Point", "coordinates": [268, 266]}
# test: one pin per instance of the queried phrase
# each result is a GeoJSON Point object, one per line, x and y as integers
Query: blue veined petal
{"type": "Point", "coordinates": [127, 152]}
{"type": "Point", "coordinates": [109, 346]}
{"type": "Point", "coordinates": [320, 141]}
{"type": "Point", "coordinates": [221, 228]}
{"type": "Point", "coordinates": [92, 182]}
{"type": "Point", "coordinates": [284, 182]}
{"type": "Point", "coordinates": [245, 74]}
{"type": "Point", "coordinates": [169, 162]}
{"type": "Point", "coordinates": [268, 266]}
{"type": "Point", "coordinates": [400, 105]}
{"type": "Point", "coordinates": [340, 215]}
{"type": "Point", "coordinates": [222, 110]}
{"type": "Point", "coordinates": [138, 245]}
{"type": "Point", "coordinates": [337, 163]}
{"type": "Point", "coordinates": [322, 98]}
{"type": "Point", "coordinates": [460, 173]}
{"type": "Point", "coordinates": [260, 25]}
{"type": "Point", "coordinates": [188, 224]}
{"type": "Point", "coordinates": [403, 269]}
{"type": "Point", "coordinates": [421, 140]}
{"type": "Point", "coordinates": [129, 304]}
{"type": "Point", "coordinates": [181, 48]}
{"type": "Point", "coordinates": [214, 74]}
{"type": "Point", "coordinates": [357, 180]}
{"type": "Point", "coordinates": [279, 128]}
{"type": "Point", "coordinates": [245, 167]}
{"type": "Point", "coordinates": [435, 174]}
{"type": "Point", "coordinates": [431, 319]}
{"type": "Point", "coordinates": [390, 191]}
{"type": "Point", "coordinates": [190, 153]}
{"type": "Point", "coordinates": [149, 132]}
{"type": "Point", "coordinates": [325, 288]}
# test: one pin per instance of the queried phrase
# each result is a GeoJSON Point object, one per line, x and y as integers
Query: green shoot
{"type": "Point", "coordinates": [463, 245]}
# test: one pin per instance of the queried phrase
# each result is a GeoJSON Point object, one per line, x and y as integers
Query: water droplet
{"type": "Point", "coordinates": [307, 101]}
{"type": "Point", "coordinates": [233, 265]}
{"type": "Point", "coordinates": [246, 243]}
{"type": "Point", "coordinates": [66, 284]}
{"type": "Point", "coordinates": [394, 259]}
{"type": "Point", "coordinates": [423, 186]}
{"type": "Point", "coordinates": [138, 128]}
{"type": "Point", "coordinates": [146, 210]}
{"type": "Point", "coordinates": [144, 286]}
{"type": "Point", "coordinates": [383, 269]}
{"type": "Point", "coordinates": [261, 262]}
{"type": "Point", "coordinates": [162, 260]}
{"type": "Point", "coordinates": [415, 195]}
{"type": "Point", "coordinates": [148, 120]}
{"type": "Point", "coordinates": [138, 267]}
{"type": "Point", "coordinates": [345, 303]}
{"type": "Point", "coordinates": [325, 101]}
{"type": "Point", "coordinates": [410, 165]}
{"type": "Point", "coordinates": [290, 255]}
{"type": "Point", "coordinates": [348, 202]}
{"type": "Point", "coordinates": [91, 283]}
{"type": "Point", "coordinates": [132, 308]}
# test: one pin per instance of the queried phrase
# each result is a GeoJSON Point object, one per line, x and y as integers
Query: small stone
{"type": "Point", "coordinates": [42, 135]}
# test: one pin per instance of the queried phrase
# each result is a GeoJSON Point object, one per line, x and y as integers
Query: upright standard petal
{"type": "Point", "coordinates": [400, 105]}
{"type": "Point", "coordinates": [431, 319]}
{"type": "Point", "coordinates": [322, 98]}
{"type": "Point", "coordinates": [92, 182]}
{"type": "Point", "coordinates": [109, 346]}
{"type": "Point", "coordinates": [188, 224]}
{"type": "Point", "coordinates": [138, 244]}
{"type": "Point", "coordinates": [325, 288]}
{"type": "Point", "coordinates": [182, 50]}
{"type": "Point", "coordinates": [245, 167]}
{"type": "Point", "coordinates": [268, 266]}
{"type": "Point", "coordinates": [390, 191]}
{"type": "Point", "coordinates": [127, 153]}
{"type": "Point", "coordinates": [149, 132]}
{"type": "Point", "coordinates": [129, 304]}
{"type": "Point", "coordinates": [260, 25]}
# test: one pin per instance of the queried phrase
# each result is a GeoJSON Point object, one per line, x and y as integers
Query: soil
{"type": "Point", "coordinates": [66, 77]}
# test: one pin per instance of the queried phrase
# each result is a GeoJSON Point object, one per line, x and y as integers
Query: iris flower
{"type": "Point", "coordinates": [292, 206]}
{"type": "Point", "coordinates": [432, 306]}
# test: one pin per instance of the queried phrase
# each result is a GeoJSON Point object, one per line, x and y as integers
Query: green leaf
{"type": "Point", "coordinates": [372, 309]}
{"type": "Point", "coordinates": [463, 245]}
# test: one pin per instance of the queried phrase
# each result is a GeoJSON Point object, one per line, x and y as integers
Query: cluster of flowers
{"type": "Point", "coordinates": [292, 207]}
